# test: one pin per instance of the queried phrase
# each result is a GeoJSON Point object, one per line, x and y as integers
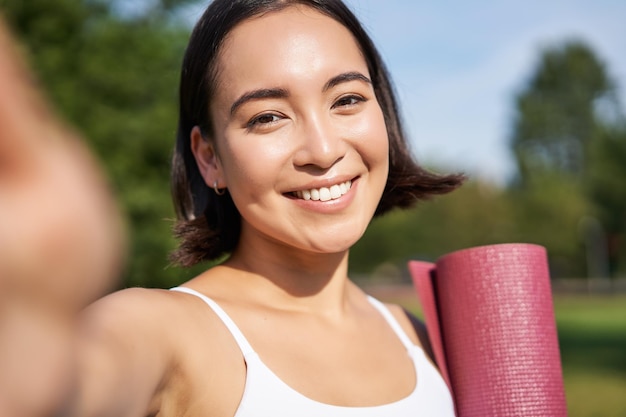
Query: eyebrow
{"type": "Point", "coordinates": [258, 94]}
{"type": "Point", "coordinates": [282, 93]}
{"type": "Point", "coordinates": [344, 78]}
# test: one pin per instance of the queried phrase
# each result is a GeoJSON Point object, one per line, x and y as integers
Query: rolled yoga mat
{"type": "Point", "coordinates": [490, 318]}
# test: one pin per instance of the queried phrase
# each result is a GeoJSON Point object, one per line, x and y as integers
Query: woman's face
{"type": "Point", "coordinates": [300, 138]}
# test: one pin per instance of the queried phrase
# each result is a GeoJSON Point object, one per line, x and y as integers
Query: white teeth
{"type": "Point", "coordinates": [324, 193]}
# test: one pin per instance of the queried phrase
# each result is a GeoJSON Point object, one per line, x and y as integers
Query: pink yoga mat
{"type": "Point", "coordinates": [490, 318]}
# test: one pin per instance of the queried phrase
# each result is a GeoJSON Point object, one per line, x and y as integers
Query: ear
{"type": "Point", "coordinates": [206, 158]}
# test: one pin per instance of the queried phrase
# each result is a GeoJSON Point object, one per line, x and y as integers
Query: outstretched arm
{"type": "Point", "coordinates": [61, 242]}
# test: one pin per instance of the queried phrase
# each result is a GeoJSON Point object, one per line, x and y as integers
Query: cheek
{"type": "Point", "coordinates": [252, 165]}
{"type": "Point", "coordinates": [381, 142]}
{"type": "Point", "coordinates": [373, 140]}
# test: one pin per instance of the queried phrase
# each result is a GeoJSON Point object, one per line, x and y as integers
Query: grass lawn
{"type": "Point", "coordinates": [592, 338]}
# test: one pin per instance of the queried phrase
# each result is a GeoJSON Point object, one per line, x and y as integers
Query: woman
{"type": "Point", "coordinates": [282, 157]}
{"type": "Point", "coordinates": [288, 144]}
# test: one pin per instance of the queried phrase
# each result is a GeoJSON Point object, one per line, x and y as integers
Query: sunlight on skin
{"type": "Point", "coordinates": [61, 241]}
{"type": "Point", "coordinates": [60, 232]}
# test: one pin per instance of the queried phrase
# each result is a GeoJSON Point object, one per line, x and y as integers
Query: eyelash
{"type": "Point", "coordinates": [355, 99]}
{"type": "Point", "coordinates": [256, 121]}
{"type": "Point", "coordinates": [341, 102]}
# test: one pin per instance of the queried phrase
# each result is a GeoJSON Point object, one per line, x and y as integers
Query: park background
{"type": "Point", "coordinates": [524, 97]}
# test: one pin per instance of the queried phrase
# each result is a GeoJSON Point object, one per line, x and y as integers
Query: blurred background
{"type": "Point", "coordinates": [525, 97]}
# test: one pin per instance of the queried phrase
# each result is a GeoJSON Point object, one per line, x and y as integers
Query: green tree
{"type": "Point", "coordinates": [606, 187]}
{"type": "Point", "coordinates": [568, 147]}
{"type": "Point", "coordinates": [556, 112]}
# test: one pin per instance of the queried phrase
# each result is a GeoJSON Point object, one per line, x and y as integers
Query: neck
{"type": "Point", "coordinates": [293, 278]}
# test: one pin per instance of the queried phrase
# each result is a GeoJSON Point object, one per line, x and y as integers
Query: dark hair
{"type": "Point", "coordinates": [209, 224]}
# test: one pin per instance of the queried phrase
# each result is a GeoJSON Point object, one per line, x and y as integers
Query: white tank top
{"type": "Point", "coordinates": [266, 395]}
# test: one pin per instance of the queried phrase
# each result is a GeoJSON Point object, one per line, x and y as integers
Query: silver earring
{"type": "Point", "coordinates": [217, 190]}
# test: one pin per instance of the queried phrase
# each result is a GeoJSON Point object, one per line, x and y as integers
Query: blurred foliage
{"type": "Point", "coordinates": [606, 188]}
{"type": "Point", "coordinates": [114, 73]}
{"type": "Point", "coordinates": [569, 136]}
{"type": "Point", "coordinates": [473, 215]}
{"type": "Point", "coordinates": [556, 118]}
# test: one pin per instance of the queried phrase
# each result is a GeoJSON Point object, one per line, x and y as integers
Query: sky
{"type": "Point", "coordinates": [458, 64]}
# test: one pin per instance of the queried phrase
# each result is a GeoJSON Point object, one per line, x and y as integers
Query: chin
{"type": "Point", "coordinates": [335, 246]}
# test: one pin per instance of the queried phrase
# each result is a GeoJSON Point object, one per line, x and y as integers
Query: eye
{"type": "Point", "coordinates": [348, 101]}
{"type": "Point", "coordinates": [263, 120]}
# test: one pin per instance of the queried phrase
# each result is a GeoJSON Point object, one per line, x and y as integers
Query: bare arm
{"type": "Point", "coordinates": [124, 355]}
{"type": "Point", "coordinates": [61, 244]}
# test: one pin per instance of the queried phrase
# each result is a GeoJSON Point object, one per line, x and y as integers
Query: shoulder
{"type": "Point", "coordinates": [131, 313]}
{"type": "Point", "coordinates": [122, 353]}
{"type": "Point", "coordinates": [151, 348]}
{"type": "Point", "coordinates": [160, 319]}
{"type": "Point", "coordinates": [126, 300]}
{"type": "Point", "coordinates": [413, 327]}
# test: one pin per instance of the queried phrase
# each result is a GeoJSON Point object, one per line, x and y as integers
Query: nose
{"type": "Point", "coordinates": [321, 145]}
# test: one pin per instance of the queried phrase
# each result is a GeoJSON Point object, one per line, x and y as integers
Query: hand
{"type": "Point", "coordinates": [61, 243]}
{"type": "Point", "coordinates": [61, 236]}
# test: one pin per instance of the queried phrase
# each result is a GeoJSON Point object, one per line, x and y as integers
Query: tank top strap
{"type": "Point", "coordinates": [241, 340]}
{"type": "Point", "coordinates": [395, 326]}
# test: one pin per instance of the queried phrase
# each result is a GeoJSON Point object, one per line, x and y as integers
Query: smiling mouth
{"type": "Point", "coordinates": [325, 193]}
